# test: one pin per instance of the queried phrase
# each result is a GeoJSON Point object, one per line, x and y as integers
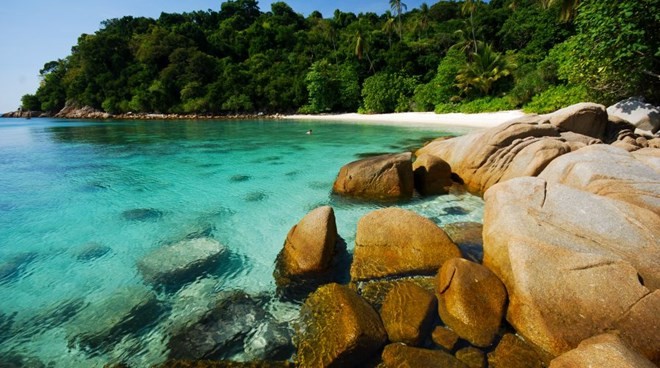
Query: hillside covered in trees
{"type": "Point", "coordinates": [449, 56]}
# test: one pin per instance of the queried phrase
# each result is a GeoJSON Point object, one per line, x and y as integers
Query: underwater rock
{"type": "Point", "coordinates": [180, 262]}
{"type": "Point", "coordinates": [393, 241]}
{"type": "Point", "coordinates": [240, 178]}
{"type": "Point", "coordinates": [269, 341]}
{"type": "Point", "coordinates": [221, 332]}
{"type": "Point", "coordinates": [374, 291]}
{"type": "Point", "coordinates": [255, 197]}
{"type": "Point", "coordinates": [468, 236]}
{"type": "Point", "coordinates": [512, 352]}
{"type": "Point", "coordinates": [142, 214]}
{"type": "Point", "coordinates": [384, 177]}
{"type": "Point", "coordinates": [16, 360]}
{"type": "Point", "coordinates": [13, 268]}
{"type": "Point", "coordinates": [6, 323]}
{"type": "Point", "coordinates": [104, 321]}
{"type": "Point", "coordinates": [407, 313]}
{"type": "Point", "coordinates": [222, 364]}
{"type": "Point", "coordinates": [91, 251]}
{"type": "Point", "coordinates": [400, 355]}
{"type": "Point", "coordinates": [338, 329]}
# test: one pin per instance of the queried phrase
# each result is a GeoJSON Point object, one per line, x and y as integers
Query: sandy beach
{"type": "Point", "coordinates": [482, 120]}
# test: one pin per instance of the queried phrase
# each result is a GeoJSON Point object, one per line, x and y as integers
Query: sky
{"type": "Point", "coordinates": [34, 32]}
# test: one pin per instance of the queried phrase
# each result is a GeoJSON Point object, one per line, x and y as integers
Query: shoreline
{"type": "Point", "coordinates": [409, 119]}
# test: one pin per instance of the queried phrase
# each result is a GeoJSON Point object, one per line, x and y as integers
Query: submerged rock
{"type": "Point", "coordinates": [407, 313]}
{"type": "Point", "coordinates": [605, 350]}
{"type": "Point", "coordinates": [91, 251]}
{"type": "Point", "coordinates": [308, 250]}
{"type": "Point", "coordinates": [142, 214]}
{"type": "Point", "coordinates": [13, 268]}
{"type": "Point", "coordinates": [220, 333]}
{"type": "Point", "coordinates": [512, 352]}
{"type": "Point", "coordinates": [269, 341]}
{"type": "Point", "coordinates": [398, 242]}
{"type": "Point", "coordinates": [571, 262]}
{"type": "Point", "coordinates": [472, 357]}
{"type": "Point", "coordinates": [471, 300]}
{"type": "Point", "coordinates": [180, 262]}
{"type": "Point", "coordinates": [105, 321]}
{"type": "Point", "coordinates": [375, 291]}
{"type": "Point", "coordinates": [380, 177]}
{"type": "Point", "coordinates": [222, 364]}
{"type": "Point", "coordinates": [338, 328]}
{"type": "Point", "coordinates": [400, 355]}
{"type": "Point", "coordinates": [468, 237]}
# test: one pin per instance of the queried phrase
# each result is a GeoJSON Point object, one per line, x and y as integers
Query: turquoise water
{"type": "Point", "coordinates": [82, 202]}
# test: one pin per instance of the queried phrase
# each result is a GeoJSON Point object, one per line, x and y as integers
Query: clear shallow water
{"type": "Point", "coordinates": [125, 188]}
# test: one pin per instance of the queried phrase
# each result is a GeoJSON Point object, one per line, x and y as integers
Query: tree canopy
{"type": "Point", "coordinates": [240, 58]}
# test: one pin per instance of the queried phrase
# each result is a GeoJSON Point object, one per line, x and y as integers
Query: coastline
{"type": "Point", "coordinates": [427, 119]}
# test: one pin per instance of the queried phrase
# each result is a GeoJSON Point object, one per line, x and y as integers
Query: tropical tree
{"type": "Point", "coordinates": [398, 7]}
{"type": "Point", "coordinates": [486, 68]}
{"type": "Point", "coordinates": [388, 28]}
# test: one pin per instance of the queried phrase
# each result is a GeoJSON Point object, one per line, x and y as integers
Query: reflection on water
{"type": "Point", "coordinates": [83, 204]}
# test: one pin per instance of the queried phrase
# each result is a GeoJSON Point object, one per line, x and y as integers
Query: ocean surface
{"type": "Point", "coordinates": [82, 202]}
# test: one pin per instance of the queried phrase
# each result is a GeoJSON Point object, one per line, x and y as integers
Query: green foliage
{"type": "Point", "coordinates": [613, 49]}
{"type": "Point", "coordinates": [386, 92]}
{"type": "Point", "coordinates": [30, 103]}
{"type": "Point", "coordinates": [557, 97]}
{"type": "Point", "coordinates": [532, 79]}
{"type": "Point", "coordinates": [484, 104]}
{"type": "Point", "coordinates": [486, 68]}
{"type": "Point", "coordinates": [442, 88]}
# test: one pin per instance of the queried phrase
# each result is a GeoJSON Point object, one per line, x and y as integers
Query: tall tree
{"type": "Point", "coordinates": [398, 7]}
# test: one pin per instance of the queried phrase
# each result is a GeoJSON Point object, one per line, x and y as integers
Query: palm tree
{"type": "Point", "coordinates": [469, 7]}
{"type": "Point", "coordinates": [362, 49]}
{"type": "Point", "coordinates": [568, 7]}
{"type": "Point", "coordinates": [388, 28]}
{"type": "Point", "coordinates": [398, 8]}
{"type": "Point", "coordinates": [486, 68]}
{"type": "Point", "coordinates": [424, 18]}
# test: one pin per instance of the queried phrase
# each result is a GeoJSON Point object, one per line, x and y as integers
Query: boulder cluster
{"type": "Point", "coordinates": [567, 263]}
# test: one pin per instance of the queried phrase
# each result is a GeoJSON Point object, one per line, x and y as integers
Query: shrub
{"type": "Point", "coordinates": [442, 87]}
{"type": "Point", "coordinates": [387, 92]}
{"type": "Point", "coordinates": [557, 97]}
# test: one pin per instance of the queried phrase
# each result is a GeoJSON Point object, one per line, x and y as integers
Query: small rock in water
{"type": "Point", "coordinates": [13, 268]}
{"type": "Point", "coordinates": [180, 262]}
{"type": "Point", "coordinates": [142, 214]}
{"type": "Point", "coordinates": [456, 211]}
{"type": "Point", "coordinates": [255, 197]}
{"type": "Point", "coordinates": [15, 360]}
{"type": "Point", "coordinates": [239, 178]}
{"type": "Point", "coordinates": [104, 322]}
{"type": "Point", "coordinates": [269, 341]}
{"type": "Point", "coordinates": [91, 251]}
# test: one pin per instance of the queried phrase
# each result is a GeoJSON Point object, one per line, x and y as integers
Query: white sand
{"type": "Point", "coordinates": [483, 120]}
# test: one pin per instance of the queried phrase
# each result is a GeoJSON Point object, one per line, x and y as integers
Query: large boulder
{"type": "Point", "coordinates": [574, 264]}
{"type": "Point", "coordinates": [180, 262]}
{"type": "Point", "coordinates": [611, 172]}
{"type": "Point", "coordinates": [338, 329]}
{"type": "Point", "coordinates": [384, 177]}
{"type": "Point", "coordinates": [407, 313]}
{"type": "Point", "coordinates": [522, 147]}
{"type": "Point", "coordinates": [585, 118]}
{"type": "Point", "coordinates": [308, 249]}
{"type": "Point", "coordinates": [605, 350]}
{"type": "Point", "coordinates": [635, 110]}
{"type": "Point", "coordinates": [432, 175]}
{"type": "Point", "coordinates": [105, 321]}
{"type": "Point", "coordinates": [400, 355]}
{"type": "Point", "coordinates": [471, 300]}
{"type": "Point", "coordinates": [393, 241]}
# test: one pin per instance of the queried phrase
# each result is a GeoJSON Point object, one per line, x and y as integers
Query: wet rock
{"type": "Point", "coordinates": [338, 328]}
{"type": "Point", "coordinates": [221, 332]}
{"type": "Point", "coordinates": [380, 177]}
{"type": "Point", "coordinates": [610, 172]}
{"type": "Point", "coordinates": [13, 268]}
{"type": "Point", "coordinates": [269, 341]}
{"type": "Point", "coordinates": [471, 300]}
{"type": "Point", "coordinates": [16, 360]}
{"type": "Point", "coordinates": [180, 262]}
{"type": "Point", "coordinates": [512, 352]}
{"type": "Point", "coordinates": [640, 114]}
{"type": "Point", "coordinates": [222, 364]}
{"type": "Point", "coordinates": [398, 242]}
{"type": "Point", "coordinates": [374, 291]}
{"type": "Point", "coordinates": [468, 237]}
{"type": "Point", "coordinates": [105, 321]}
{"type": "Point", "coordinates": [605, 350]}
{"type": "Point", "coordinates": [142, 214]}
{"type": "Point", "coordinates": [472, 357]}
{"type": "Point", "coordinates": [571, 262]}
{"type": "Point", "coordinates": [91, 251]}
{"type": "Point", "coordinates": [432, 175]}
{"type": "Point", "coordinates": [399, 355]}
{"type": "Point", "coordinates": [522, 147]}
{"type": "Point", "coordinates": [407, 313]}
{"type": "Point", "coordinates": [587, 118]}
{"type": "Point", "coordinates": [308, 249]}
{"type": "Point", "coordinates": [444, 337]}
